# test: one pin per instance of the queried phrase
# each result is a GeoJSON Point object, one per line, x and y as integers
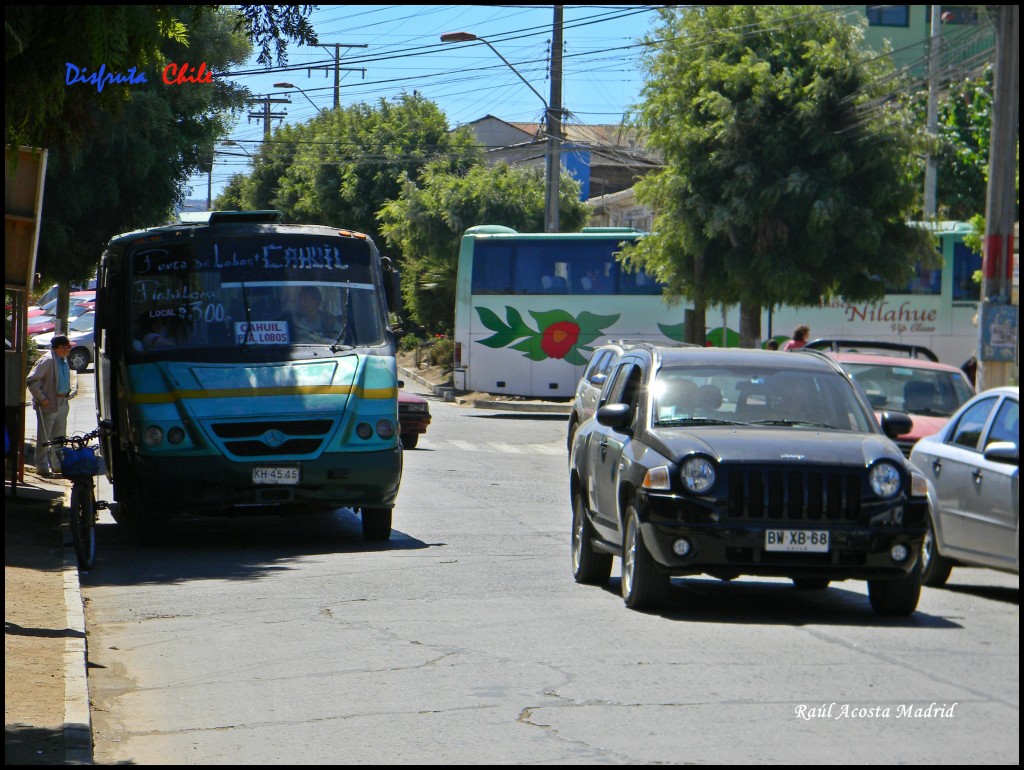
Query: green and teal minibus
{"type": "Point", "coordinates": [223, 397]}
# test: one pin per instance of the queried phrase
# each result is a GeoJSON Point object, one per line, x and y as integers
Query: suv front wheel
{"type": "Point", "coordinates": [896, 597]}
{"type": "Point", "coordinates": [643, 585]}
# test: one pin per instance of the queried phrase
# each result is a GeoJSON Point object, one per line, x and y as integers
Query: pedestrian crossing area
{"type": "Point", "coordinates": [493, 447]}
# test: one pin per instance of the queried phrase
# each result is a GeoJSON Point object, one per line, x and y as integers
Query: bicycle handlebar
{"type": "Point", "coordinates": [80, 441]}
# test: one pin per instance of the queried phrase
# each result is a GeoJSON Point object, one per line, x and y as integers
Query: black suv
{"type": "Point", "coordinates": [734, 461]}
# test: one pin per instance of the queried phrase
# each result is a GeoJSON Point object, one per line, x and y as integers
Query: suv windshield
{"type": "Point", "coordinates": [757, 394]}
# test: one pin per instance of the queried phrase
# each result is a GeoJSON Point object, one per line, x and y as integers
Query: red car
{"type": "Point", "coordinates": [41, 324]}
{"type": "Point", "coordinates": [413, 418]}
{"type": "Point", "coordinates": [910, 380]}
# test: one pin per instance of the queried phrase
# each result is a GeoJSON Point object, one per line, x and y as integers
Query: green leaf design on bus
{"type": "Point", "coordinates": [675, 332]}
{"type": "Point", "coordinates": [559, 334]}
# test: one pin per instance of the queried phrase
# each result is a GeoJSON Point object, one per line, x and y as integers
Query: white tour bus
{"type": "Point", "coordinates": [530, 308]}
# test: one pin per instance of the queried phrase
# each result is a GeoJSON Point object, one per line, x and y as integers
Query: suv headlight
{"type": "Point", "coordinates": [697, 475]}
{"type": "Point", "coordinates": [885, 480]}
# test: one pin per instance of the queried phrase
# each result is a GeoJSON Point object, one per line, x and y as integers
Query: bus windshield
{"type": "Point", "coordinates": [252, 291]}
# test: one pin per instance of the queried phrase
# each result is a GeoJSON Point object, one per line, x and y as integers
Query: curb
{"type": "Point", "coordinates": [77, 716]}
{"type": "Point", "coordinates": [448, 394]}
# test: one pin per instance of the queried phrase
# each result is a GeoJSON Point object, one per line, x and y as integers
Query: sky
{"type": "Point", "coordinates": [398, 48]}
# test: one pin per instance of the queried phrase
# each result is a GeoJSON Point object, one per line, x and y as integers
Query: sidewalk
{"type": "Point", "coordinates": [46, 699]}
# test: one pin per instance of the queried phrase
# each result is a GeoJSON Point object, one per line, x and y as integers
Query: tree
{"type": "Point", "coordinates": [133, 170]}
{"type": "Point", "coordinates": [786, 176]}
{"type": "Point", "coordinates": [426, 221]}
{"type": "Point", "coordinates": [43, 110]}
{"type": "Point", "coordinates": [342, 166]}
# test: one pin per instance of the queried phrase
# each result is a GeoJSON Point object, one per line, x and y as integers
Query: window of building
{"type": "Point", "coordinates": [888, 15]}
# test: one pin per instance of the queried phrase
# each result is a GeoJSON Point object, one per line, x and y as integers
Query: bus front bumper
{"type": "Point", "coordinates": [211, 484]}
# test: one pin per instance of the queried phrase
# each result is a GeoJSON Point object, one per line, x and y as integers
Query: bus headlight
{"type": "Point", "coordinates": [153, 435]}
{"type": "Point", "coordinates": [176, 435]}
{"type": "Point", "coordinates": [385, 429]}
{"type": "Point", "coordinates": [363, 430]}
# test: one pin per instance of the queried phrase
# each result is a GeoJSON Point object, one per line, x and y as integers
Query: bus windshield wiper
{"type": "Point", "coordinates": [338, 345]}
{"type": "Point", "coordinates": [248, 319]}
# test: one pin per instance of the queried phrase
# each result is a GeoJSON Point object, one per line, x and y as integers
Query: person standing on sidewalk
{"type": "Point", "coordinates": [51, 383]}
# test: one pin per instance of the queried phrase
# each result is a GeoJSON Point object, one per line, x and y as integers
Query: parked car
{"type": "Point", "coordinates": [730, 461]}
{"type": "Point", "coordinates": [80, 334]}
{"type": "Point", "coordinates": [588, 389]}
{"type": "Point", "coordinates": [910, 379]}
{"type": "Point", "coordinates": [51, 293]}
{"type": "Point", "coordinates": [76, 306]}
{"type": "Point", "coordinates": [41, 324]}
{"type": "Point", "coordinates": [973, 471]}
{"type": "Point", "coordinates": [413, 418]}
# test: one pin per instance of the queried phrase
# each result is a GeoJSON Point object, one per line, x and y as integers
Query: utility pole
{"type": "Point", "coordinates": [265, 114]}
{"type": "Point", "coordinates": [931, 164]}
{"type": "Point", "coordinates": [998, 319]}
{"type": "Point", "coordinates": [554, 126]}
{"type": "Point", "coordinates": [338, 68]}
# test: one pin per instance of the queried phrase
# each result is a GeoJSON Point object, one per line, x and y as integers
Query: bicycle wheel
{"type": "Point", "coordinates": [83, 519]}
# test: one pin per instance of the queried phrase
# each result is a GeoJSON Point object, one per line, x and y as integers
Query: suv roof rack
{"type": "Point", "coordinates": [836, 346]}
{"type": "Point", "coordinates": [657, 343]}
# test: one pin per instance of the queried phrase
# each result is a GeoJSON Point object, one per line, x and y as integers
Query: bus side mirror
{"type": "Point", "coordinates": [102, 307]}
{"type": "Point", "coordinates": [392, 285]}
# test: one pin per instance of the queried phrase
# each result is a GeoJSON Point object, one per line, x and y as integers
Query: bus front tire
{"type": "Point", "coordinates": [376, 523]}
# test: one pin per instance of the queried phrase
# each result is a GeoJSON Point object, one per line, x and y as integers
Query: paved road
{"type": "Point", "coordinates": [464, 640]}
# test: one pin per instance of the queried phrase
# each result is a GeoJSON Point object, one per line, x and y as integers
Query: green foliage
{"type": "Point", "coordinates": [41, 110]}
{"type": "Point", "coordinates": [268, 25]}
{"type": "Point", "coordinates": [426, 221]}
{"type": "Point", "coordinates": [961, 152]}
{"type": "Point", "coordinates": [134, 169]}
{"type": "Point", "coordinates": [786, 175]}
{"type": "Point", "coordinates": [343, 165]}
{"type": "Point", "coordinates": [40, 40]}
{"type": "Point", "coordinates": [441, 352]}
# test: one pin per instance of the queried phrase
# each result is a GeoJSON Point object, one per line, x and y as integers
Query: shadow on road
{"type": "Point", "coordinates": [233, 548]}
{"type": "Point", "coordinates": [757, 602]}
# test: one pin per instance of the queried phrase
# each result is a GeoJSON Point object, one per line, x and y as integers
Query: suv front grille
{"type": "Point", "coordinates": [794, 495]}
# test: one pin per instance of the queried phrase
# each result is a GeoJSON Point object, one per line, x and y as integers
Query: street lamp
{"type": "Point", "coordinates": [552, 160]}
{"type": "Point", "coordinates": [233, 143]}
{"type": "Point", "coordinates": [292, 85]}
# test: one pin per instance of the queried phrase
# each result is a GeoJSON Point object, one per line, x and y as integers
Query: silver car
{"type": "Point", "coordinates": [80, 335]}
{"type": "Point", "coordinates": [973, 470]}
{"type": "Point", "coordinates": [588, 389]}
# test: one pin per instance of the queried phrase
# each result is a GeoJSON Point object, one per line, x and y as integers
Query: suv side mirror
{"type": "Point", "coordinates": [896, 423]}
{"type": "Point", "coordinates": [615, 416]}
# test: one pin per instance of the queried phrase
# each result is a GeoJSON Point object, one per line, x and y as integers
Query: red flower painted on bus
{"type": "Point", "coordinates": [559, 334]}
{"type": "Point", "coordinates": [559, 338]}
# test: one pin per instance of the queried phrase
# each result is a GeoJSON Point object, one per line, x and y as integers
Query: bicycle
{"type": "Point", "coordinates": [80, 464]}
